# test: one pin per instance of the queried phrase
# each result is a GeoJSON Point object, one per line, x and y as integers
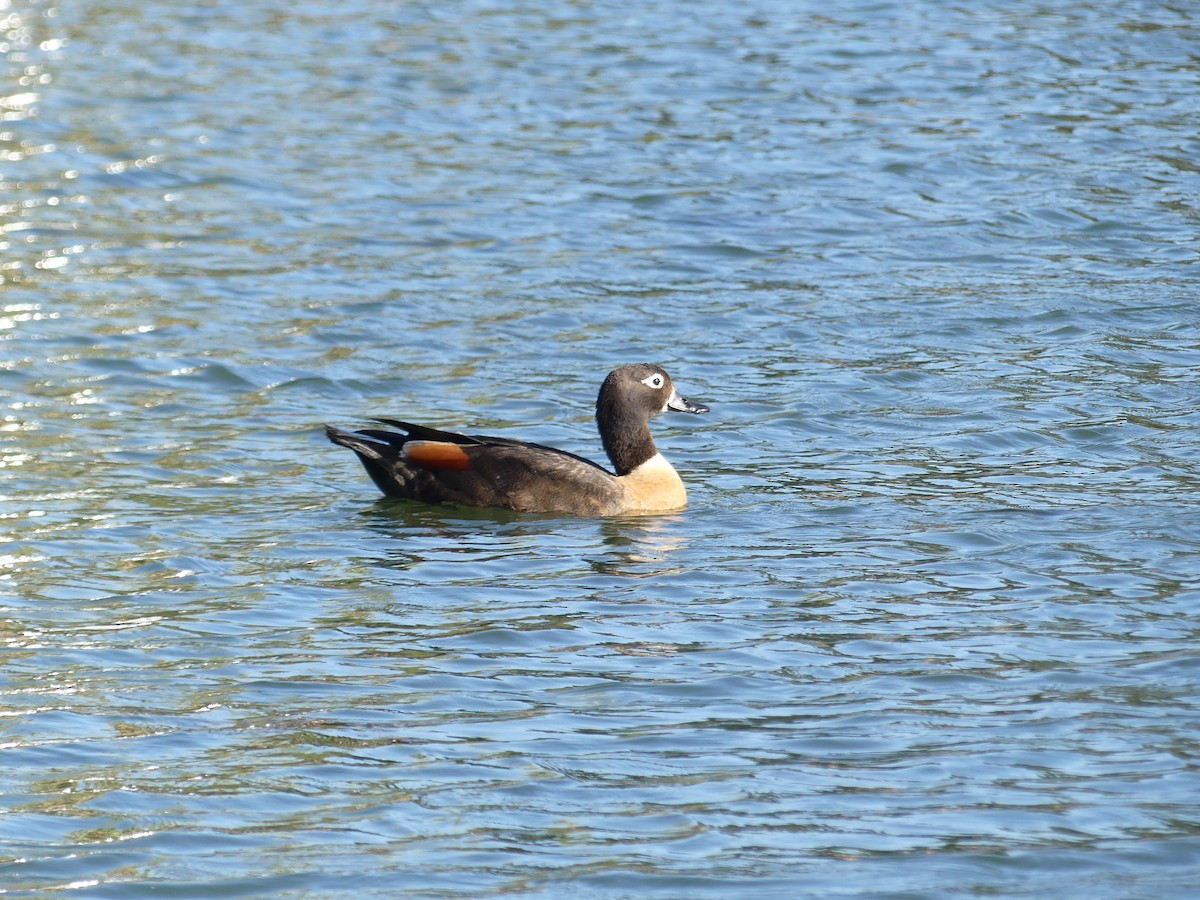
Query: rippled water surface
{"type": "Point", "coordinates": [930, 625]}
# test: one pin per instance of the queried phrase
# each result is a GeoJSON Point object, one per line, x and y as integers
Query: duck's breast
{"type": "Point", "coordinates": [654, 486]}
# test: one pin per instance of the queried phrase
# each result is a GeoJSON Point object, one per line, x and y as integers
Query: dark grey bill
{"type": "Point", "coordinates": [683, 404]}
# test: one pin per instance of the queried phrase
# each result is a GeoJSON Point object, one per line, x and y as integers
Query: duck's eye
{"type": "Point", "coordinates": [655, 381]}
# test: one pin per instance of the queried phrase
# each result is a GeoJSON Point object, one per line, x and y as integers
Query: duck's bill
{"type": "Point", "coordinates": [683, 404]}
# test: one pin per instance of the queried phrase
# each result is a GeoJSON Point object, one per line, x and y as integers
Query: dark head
{"type": "Point", "coordinates": [629, 397]}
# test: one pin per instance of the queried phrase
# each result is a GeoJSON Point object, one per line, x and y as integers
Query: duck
{"type": "Point", "coordinates": [416, 462]}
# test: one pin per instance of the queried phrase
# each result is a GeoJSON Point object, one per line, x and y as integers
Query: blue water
{"type": "Point", "coordinates": [929, 626]}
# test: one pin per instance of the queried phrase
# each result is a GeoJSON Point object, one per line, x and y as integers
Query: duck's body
{"type": "Point", "coordinates": [420, 463]}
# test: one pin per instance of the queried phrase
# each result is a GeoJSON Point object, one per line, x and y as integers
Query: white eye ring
{"type": "Point", "coordinates": [654, 381]}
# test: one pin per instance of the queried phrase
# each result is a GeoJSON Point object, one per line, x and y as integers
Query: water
{"type": "Point", "coordinates": [929, 626]}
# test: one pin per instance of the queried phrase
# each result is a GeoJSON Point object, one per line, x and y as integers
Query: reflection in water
{"type": "Point", "coordinates": [638, 546]}
{"type": "Point", "coordinates": [642, 546]}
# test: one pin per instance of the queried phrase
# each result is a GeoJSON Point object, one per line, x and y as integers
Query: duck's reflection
{"type": "Point", "coordinates": [641, 547]}
{"type": "Point", "coordinates": [628, 546]}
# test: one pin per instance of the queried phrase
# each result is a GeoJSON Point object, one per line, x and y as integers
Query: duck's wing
{"type": "Point", "coordinates": [429, 464]}
{"type": "Point", "coordinates": [534, 478]}
{"type": "Point", "coordinates": [424, 433]}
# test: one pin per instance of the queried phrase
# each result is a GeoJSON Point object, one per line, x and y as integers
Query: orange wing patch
{"type": "Point", "coordinates": [438, 455]}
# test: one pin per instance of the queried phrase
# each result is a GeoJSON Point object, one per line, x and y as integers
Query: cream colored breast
{"type": "Point", "coordinates": [653, 487]}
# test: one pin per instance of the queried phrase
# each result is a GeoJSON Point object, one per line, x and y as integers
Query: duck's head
{"type": "Point", "coordinates": [629, 397]}
{"type": "Point", "coordinates": [642, 389]}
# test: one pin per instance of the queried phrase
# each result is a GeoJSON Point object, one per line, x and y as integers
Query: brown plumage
{"type": "Point", "coordinates": [420, 463]}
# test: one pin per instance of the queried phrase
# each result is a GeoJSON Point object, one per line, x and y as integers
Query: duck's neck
{"type": "Point", "coordinates": [626, 437]}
